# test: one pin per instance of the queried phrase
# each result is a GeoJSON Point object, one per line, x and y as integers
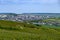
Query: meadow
{"type": "Point", "coordinates": [10, 30]}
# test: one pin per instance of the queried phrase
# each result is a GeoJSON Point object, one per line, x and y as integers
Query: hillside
{"type": "Point", "coordinates": [10, 30]}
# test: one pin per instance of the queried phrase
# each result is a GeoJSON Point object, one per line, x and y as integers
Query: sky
{"type": "Point", "coordinates": [29, 6]}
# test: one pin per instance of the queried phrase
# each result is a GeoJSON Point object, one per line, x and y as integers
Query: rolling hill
{"type": "Point", "coordinates": [10, 30]}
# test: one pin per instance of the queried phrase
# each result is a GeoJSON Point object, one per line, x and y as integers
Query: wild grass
{"type": "Point", "coordinates": [21, 31]}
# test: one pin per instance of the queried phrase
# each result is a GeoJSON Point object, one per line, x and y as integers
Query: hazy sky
{"type": "Point", "coordinates": [30, 6]}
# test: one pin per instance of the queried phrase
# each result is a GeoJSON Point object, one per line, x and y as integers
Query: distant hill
{"type": "Point", "coordinates": [8, 13]}
{"type": "Point", "coordinates": [33, 13]}
{"type": "Point", "coordinates": [41, 13]}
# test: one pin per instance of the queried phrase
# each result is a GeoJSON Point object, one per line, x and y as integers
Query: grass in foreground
{"type": "Point", "coordinates": [9, 31]}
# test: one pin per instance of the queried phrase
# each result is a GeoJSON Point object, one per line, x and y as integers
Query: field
{"type": "Point", "coordinates": [21, 31]}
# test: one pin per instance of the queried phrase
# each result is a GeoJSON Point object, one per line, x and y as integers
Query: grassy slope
{"type": "Point", "coordinates": [18, 32]}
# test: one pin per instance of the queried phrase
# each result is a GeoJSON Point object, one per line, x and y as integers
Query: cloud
{"type": "Point", "coordinates": [27, 1]}
{"type": "Point", "coordinates": [29, 6]}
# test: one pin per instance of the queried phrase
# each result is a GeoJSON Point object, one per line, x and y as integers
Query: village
{"type": "Point", "coordinates": [39, 19]}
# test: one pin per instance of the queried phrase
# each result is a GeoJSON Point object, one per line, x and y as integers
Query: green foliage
{"type": "Point", "coordinates": [21, 31]}
{"type": "Point", "coordinates": [14, 25]}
